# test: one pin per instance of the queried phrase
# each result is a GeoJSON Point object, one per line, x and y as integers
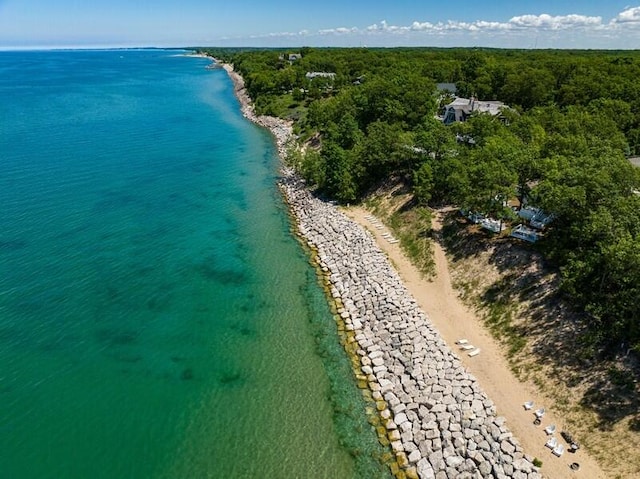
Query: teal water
{"type": "Point", "coordinates": [157, 318]}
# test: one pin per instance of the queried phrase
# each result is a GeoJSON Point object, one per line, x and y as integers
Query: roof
{"type": "Point", "coordinates": [451, 87]}
{"type": "Point", "coordinates": [526, 234]}
{"type": "Point", "coordinates": [469, 105]}
{"type": "Point", "coordinates": [311, 75]}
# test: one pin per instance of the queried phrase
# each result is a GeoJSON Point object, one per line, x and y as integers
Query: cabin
{"type": "Point", "coordinates": [495, 226]}
{"type": "Point", "coordinates": [525, 233]}
{"type": "Point", "coordinates": [447, 88]}
{"type": "Point", "coordinates": [312, 75]}
{"type": "Point", "coordinates": [462, 108]}
{"type": "Point", "coordinates": [536, 217]}
{"type": "Point", "coordinates": [472, 216]}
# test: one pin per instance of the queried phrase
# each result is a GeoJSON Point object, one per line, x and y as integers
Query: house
{"type": "Point", "coordinates": [472, 216]}
{"type": "Point", "coordinates": [524, 233]}
{"type": "Point", "coordinates": [536, 217]}
{"type": "Point", "coordinates": [294, 57]}
{"type": "Point", "coordinates": [461, 108]}
{"type": "Point", "coordinates": [490, 224]}
{"type": "Point", "coordinates": [312, 75]}
{"type": "Point", "coordinates": [541, 221]}
{"type": "Point", "coordinates": [528, 212]}
{"type": "Point", "coordinates": [447, 88]}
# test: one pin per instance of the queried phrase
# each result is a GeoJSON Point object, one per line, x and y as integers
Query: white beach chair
{"type": "Point", "coordinates": [462, 341]}
{"type": "Point", "coordinates": [558, 450]}
{"type": "Point", "coordinates": [528, 405]}
{"type": "Point", "coordinates": [467, 347]}
{"type": "Point", "coordinates": [552, 443]}
{"type": "Point", "coordinates": [475, 352]}
{"type": "Point", "coordinates": [550, 429]}
{"type": "Point", "coordinates": [540, 412]}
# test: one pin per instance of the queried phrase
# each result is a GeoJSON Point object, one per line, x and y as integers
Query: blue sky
{"type": "Point", "coordinates": [287, 23]}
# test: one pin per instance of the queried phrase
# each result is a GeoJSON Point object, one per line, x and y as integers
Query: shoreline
{"type": "Point", "coordinates": [281, 129]}
{"type": "Point", "coordinates": [436, 417]}
{"type": "Point", "coordinates": [454, 319]}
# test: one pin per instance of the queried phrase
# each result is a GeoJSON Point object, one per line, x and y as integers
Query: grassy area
{"type": "Point", "coordinates": [282, 106]}
{"type": "Point", "coordinates": [546, 343]}
{"type": "Point", "coordinates": [517, 297]}
{"type": "Point", "coordinates": [500, 310]}
{"type": "Point", "coordinates": [411, 225]}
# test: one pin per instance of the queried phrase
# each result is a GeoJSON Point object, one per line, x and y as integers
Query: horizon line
{"type": "Point", "coordinates": [43, 48]}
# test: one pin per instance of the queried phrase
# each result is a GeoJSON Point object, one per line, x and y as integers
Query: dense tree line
{"type": "Point", "coordinates": [574, 118]}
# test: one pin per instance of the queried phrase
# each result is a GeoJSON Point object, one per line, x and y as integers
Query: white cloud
{"type": "Point", "coordinates": [630, 15]}
{"type": "Point", "coordinates": [338, 31]}
{"type": "Point", "coordinates": [522, 26]}
{"type": "Point", "coordinates": [559, 22]}
{"type": "Point", "coordinates": [530, 22]}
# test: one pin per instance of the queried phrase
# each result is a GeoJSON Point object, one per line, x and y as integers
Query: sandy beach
{"type": "Point", "coordinates": [455, 321]}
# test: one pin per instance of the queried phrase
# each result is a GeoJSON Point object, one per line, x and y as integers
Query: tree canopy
{"type": "Point", "coordinates": [563, 144]}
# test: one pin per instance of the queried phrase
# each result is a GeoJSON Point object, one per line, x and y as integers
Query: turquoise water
{"type": "Point", "coordinates": [157, 319]}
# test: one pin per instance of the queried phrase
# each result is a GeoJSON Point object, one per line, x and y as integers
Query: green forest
{"type": "Point", "coordinates": [563, 145]}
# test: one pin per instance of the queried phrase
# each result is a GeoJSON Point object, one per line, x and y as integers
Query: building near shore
{"type": "Point", "coordinates": [312, 75]}
{"type": "Point", "coordinates": [461, 109]}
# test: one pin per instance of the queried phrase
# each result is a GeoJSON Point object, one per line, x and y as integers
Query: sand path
{"type": "Point", "coordinates": [455, 321]}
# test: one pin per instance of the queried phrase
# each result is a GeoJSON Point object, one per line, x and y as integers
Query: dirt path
{"type": "Point", "coordinates": [455, 321]}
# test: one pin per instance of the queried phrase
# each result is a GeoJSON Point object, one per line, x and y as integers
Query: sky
{"type": "Point", "coordinates": [593, 24]}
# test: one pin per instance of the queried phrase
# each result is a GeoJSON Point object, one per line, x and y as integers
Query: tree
{"type": "Point", "coordinates": [435, 139]}
{"type": "Point", "coordinates": [492, 176]}
{"type": "Point", "coordinates": [423, 183]}
{"type": "Point", "coordinates": [382, 151]}
{"type": "Point", "coordinates": [528, 87]}
{"type": "Point", "coordinates": [338, 180]}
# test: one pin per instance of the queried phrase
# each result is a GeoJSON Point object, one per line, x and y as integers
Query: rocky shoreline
{"type": "Point", "coordinates": [438, 421]}
{"type": "Point", "coordinates": [281, 129]}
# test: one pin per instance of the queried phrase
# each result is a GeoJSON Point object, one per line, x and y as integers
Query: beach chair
{"type": "Point", "coordinates": [475, 352]}
{"type": "Point", "coordinates": [550, 429]}
{"type": "Point", "coordinates": [552, 443]}
{"type": "Point", "coordinates": [528, 405]}
{"type": "Point", "coordinates": [462, 341]}
{"type": "Point", "coordinates": [558, 450]}
{"type": "Point", "coordinates": [467, 347]}
{"type": "Point", "coordinates": [540, 412]}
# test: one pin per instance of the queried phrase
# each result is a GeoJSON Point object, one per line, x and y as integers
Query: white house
{"type": "Point", "coordinates": [447, 88]}
{"type": "Point", "coordinates": [461, 108]}
{"type": "Point", "coordinates": [526, 234]}
{"type": "Point", "coordinates": [312, 75]}
{"type": "Point", "coordinates": [536, 217]}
